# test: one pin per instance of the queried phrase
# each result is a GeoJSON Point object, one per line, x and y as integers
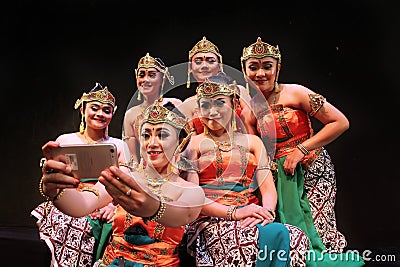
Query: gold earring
{"type": "Point", "coordinates": [172, 167]}
{"type": "Point", "coordinates": [234, 127]}
{"type": "Point", "coordinates": [188, 76]}
{"type": "Point", "coordinates": [138, 96]}
{"type": "Point", "coordinates": [277, 89]}
{"type": "Point", "coordinates": [205, 129]}
{"type": "Point", "coordinates": [140, 166]}
{"type": "Point", "coordinates": [182, 144]}
{"type": "Point", "coordinates": [82, 125]}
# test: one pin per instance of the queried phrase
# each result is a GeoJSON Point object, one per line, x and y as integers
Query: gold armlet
{"type": "Point", "coordinates": [316, 102]}
{"type": "Point", "coordinates": [160, 211]}
{"type": "Point", "coordinates": [184, 164]}
{"type": "Point", "coordinates": [83, 188]}
{"type": "Point", "coordinates": [126, 137]}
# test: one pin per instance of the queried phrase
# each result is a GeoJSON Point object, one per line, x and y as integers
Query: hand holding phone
{"type": "Point", "coordinates": [87, 160]}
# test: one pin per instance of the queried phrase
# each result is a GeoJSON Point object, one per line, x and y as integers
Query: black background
{"type": "Point", "coordinates": [348, 51]}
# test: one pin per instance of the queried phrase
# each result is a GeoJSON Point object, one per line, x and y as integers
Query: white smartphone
{"type": "Point", "coordinates": [87, 160]}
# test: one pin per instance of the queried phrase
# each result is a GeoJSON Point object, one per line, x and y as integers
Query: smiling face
{"type": "Point", "coordinates": [216, 112]}
{"type": "Point", "coordinates": [149, 81]}
{"type": "Point", "coordinates": [262, 72]}
{"type": "Point", "coordinates": [98, 115]}
{"type": "Point", "coordinates": [158, 143]}
{"type": "Point", "coordinates": [204, 65]}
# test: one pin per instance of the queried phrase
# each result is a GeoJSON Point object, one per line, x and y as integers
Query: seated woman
{"type": "Point", "coordinates": [159, 201]}
{"type": "Point", "coordinates": [81, 240]}
{"type": "Point", "coordinates": [235, 227]}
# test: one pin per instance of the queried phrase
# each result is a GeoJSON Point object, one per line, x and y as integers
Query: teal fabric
{"type": "Point", "coordinates": [294, 208]}
{"type": "Point", "coordinates": [127, 263]}
{"type": "Point", "coordinates": [274, 244]}
{"type": "Point", "coordinates": [101, 231]}
{"type": "Point", "coordinates": [139, 239]}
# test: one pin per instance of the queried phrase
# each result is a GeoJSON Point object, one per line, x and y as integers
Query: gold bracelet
{"type": "Point", "coordinates": [272, 212]}
{"type": "Point", "coordinates": [160, 211]}
{"type": "Point", "coordinates": [303, 149]}
{"type": "Point", "coordinates": [41, 191]}
{"type": "Point", "coordinates": [230, 211]}
{"type": "Point", "coordinates": [59, 194]}
{"type": "Point", "coordinates": [48, 198]}
{"type": "Point", "coordinates": [233, 213]}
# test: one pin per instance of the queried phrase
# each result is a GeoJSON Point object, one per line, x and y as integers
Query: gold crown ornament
{"type": "Point", "coordinates": [211, 89]}
{"type": "Point", "coordinates": [203, 46]}
{"type": "Point", "coordinates": [148, 61]}
{"type": "Point", "coordinates": [98, 93]}
{"type": "Point", "coordinates": [156, 113]}
{"type": "Point", "coordinates": [259, 50]}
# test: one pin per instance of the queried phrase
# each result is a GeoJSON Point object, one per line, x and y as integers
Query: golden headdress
{"type": "Point", "coordinates": [156, 113]}
{"type": "Point", "coordinates": [150, 62]}
{"type": "Point", "coordinates": [210, 89]}
{"type": "Point", "coordinates": [98, 93]}
{"type": "Point", "coordinates": [259, 50]}
{"type": "Point", "coordinates": [203, 46]}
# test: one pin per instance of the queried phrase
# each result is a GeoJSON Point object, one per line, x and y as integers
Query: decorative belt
{"type": "Point", "coordinates": [289, 146]}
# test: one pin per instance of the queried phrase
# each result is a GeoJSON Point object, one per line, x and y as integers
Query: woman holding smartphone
{"type": "Point", "coordinates": [80, 240]}
{"type": "Point", "coordinates": [155, 202]}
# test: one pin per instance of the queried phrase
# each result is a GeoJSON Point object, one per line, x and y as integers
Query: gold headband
{"type": "Point", "coordinates": [204, 46]}
{"type": "Point", "coordinates": [259, 50]}
{"type": "Point", "coordinates": [156, 113]}
{"type": "Point", "coordinates": [150, 62]}
{"type": "Point", "coordinates": [103, 96]}
{"type": "Point", "coordinates": [211, 89]}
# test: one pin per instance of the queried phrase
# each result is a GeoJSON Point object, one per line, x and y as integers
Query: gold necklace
{"type": "Point", "coordinates": [224, 146]}
{"type": "Point", "coordinates": [91, 141]}
{"type": "Point", "coordinates": [273, 99]}
{"type": "Point", "coordinates": [155, 183]}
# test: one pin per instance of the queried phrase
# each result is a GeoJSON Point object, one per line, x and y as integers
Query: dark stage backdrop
{"type": "Point", "coordinates": [52, 51]}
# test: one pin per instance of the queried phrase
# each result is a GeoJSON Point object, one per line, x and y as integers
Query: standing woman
{"type": "Point", "coordinates": [299, 150]}
{"type": "Point", "coordinates": [205, 61]}
{"type": "Point", "coordinates": [79, 241]}
{"type": "Point", "coordinates": [236, 225]}
{"type": "Point", "coordinates": [151, 74]}
{"type": "Point", "coordinates": [154, 201]}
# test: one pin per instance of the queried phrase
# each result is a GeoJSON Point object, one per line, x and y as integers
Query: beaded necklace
{"type": "Point", "coordinates": [226, 147]}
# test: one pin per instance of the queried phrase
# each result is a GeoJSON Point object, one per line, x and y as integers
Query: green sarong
{"type": "Point", "coordinates": [293, 208]}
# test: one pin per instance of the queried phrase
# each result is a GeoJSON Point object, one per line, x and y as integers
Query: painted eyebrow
{"type": "Point", "coordinates": [212, 100]}
{"type": "Point", "coordinates": [159, 129]}
{"type": "Point", "coordinates": [198, 57]}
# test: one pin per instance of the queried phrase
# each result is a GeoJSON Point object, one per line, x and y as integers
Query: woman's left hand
{"type": "Point", "coordinates": [291, 161]}
{"type": "Point", "coordinates": [106, 213]}
{"type": "Point", "coordinates": [253, 214]}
